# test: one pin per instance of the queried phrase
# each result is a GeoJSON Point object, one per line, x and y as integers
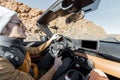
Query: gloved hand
{"type": "Point", "coordinates": [57, 63]}
{"type": "Point", "coordinates": [54, 37]}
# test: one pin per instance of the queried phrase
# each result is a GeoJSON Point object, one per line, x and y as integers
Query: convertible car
{"type": "Point", "coordinates": [85, 54]}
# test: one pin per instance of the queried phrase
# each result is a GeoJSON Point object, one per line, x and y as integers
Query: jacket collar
{"type": "Point", "coordinates": [8, 41]}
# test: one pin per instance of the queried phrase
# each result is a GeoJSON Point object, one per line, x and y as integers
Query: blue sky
{"type": "Point", "coordinates": [107, 15]}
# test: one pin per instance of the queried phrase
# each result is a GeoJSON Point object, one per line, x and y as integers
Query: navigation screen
{"type": "Point", "coordinates": [89, 44]}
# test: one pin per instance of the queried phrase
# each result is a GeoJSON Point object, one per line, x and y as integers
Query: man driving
{"type": "Point", "coordinates": [15, 59]}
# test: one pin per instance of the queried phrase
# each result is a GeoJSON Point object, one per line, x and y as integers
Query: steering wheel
{"type": "Point", "coordinates": [57, 47]}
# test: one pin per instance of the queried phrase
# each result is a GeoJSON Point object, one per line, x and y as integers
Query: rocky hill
{"type": "Point", "coordinates": [79, 29]}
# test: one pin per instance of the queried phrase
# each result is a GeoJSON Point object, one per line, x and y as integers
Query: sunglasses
{"type": "Point", "coordinates": [19, 23]}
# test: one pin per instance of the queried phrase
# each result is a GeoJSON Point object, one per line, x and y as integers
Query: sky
{"type": "Point", "coordinates": [107, 15]}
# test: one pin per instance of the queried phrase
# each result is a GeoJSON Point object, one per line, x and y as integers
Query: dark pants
{"type": "Point", "coordinates": [63, 68]}
{"type": "Point", "coordinates": [47, 61]}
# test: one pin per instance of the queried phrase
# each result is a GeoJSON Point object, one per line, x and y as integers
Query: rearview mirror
{"type": "Point", "coordinates": [92, 6]}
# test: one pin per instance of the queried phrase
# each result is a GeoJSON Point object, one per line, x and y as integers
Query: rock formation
{"type": "Point", "coordinates": [81, 29]}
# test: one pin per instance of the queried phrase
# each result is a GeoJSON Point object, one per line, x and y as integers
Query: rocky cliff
{"type": "Point", "coordinates": [79, 29]}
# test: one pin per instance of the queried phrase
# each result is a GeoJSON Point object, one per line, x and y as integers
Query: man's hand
{"type": "Point", "coordinates": [97, 74]}
{"type": "Point", "coordinates": [54, 37]}
{"type": "Point", "coordinates": [57, 63]}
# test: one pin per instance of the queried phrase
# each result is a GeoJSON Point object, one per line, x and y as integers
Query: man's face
{"type": "Point", "coordinates": [16, 29]}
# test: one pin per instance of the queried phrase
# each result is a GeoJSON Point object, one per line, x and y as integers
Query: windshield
{"type": "Point", "coordinates": [101, 24]}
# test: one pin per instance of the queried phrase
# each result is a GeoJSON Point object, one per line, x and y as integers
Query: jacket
{"type": "Point", "coordinates": [16, 64]}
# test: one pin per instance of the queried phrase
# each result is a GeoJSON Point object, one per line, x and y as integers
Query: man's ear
{"type": "Point", "coordinates": [5, 31]}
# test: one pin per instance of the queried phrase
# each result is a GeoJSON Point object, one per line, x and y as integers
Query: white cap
{"type": "Point", "coordinates": [5, 17]}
